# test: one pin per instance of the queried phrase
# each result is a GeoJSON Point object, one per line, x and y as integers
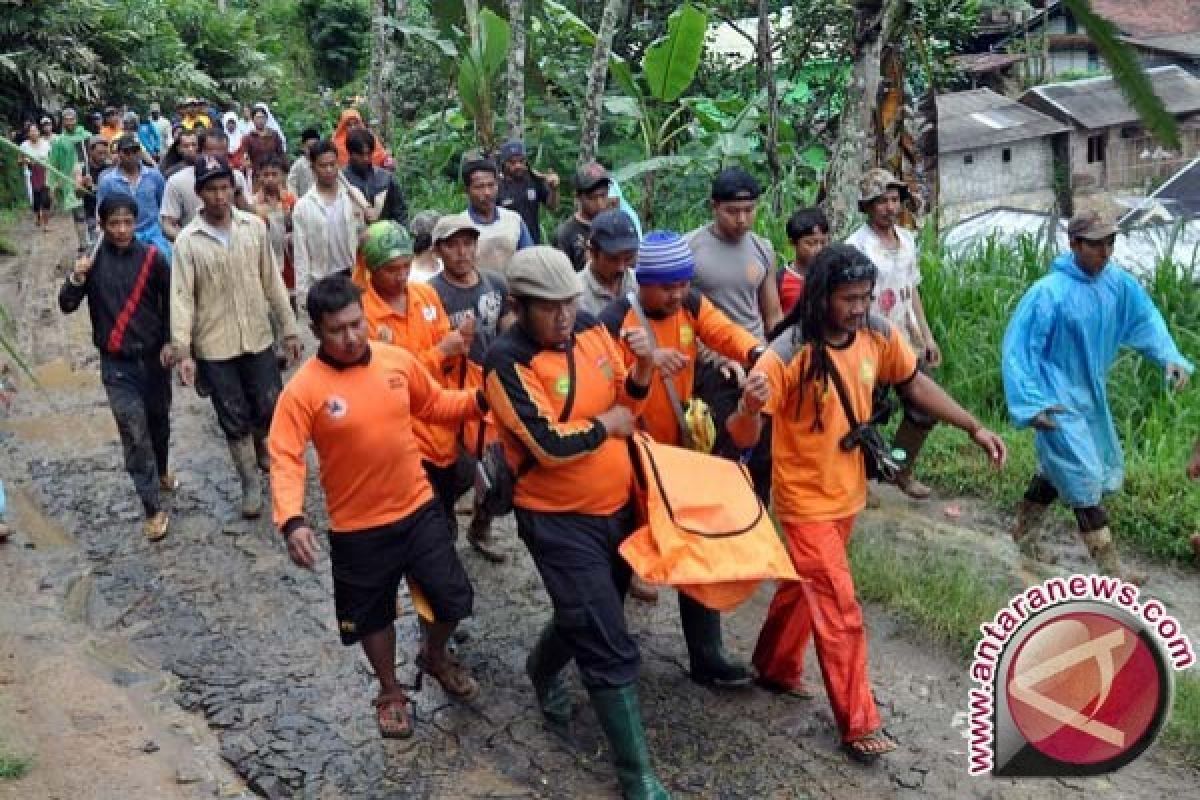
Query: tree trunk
{"type": "Point", "coordinates": [589, 137]}
{"type": "Point", "coordinates": [856, 147]}
{"type": "Point", "coordinates": [766, 73]}
{"type": "Point", "coordinates": [383, 64]}
{"type": "Point", "coordinates": [515, 111]}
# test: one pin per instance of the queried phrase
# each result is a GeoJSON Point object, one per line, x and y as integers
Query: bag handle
{"type": "Point", "coordinates": [641, 444]}
{"type": "Point", "coordinates": [672, 395]}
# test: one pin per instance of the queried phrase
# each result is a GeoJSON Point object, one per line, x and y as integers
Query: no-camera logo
{"type": "Point", "coordinates": [1072, 686]}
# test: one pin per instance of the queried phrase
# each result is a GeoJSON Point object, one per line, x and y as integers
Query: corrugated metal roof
{"type": "Point", "coordinates": [1097, 102]}
{"type": "Point", "coordinates": [1138, 250]}
{"type": "Point", "coordinates": [1178, 196]}
{"type": "Point", "coordinates": [1150, 17]}
{"type": "Point", "coordinates": [1180, 44]}
{"type": "Point", "coordinates": [982, 118]}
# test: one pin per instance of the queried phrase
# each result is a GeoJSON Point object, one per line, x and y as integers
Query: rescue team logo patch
{"type": "Point", "coordinates": [605, 366]}
{"type": "Point", "coordinates": [562, 385]}
{"type": "Point", "coordinates": [336, 407]}
{"type": "Point", "coordinates": [866, 372]}
{"type": "Point", "coordinates": [430, 313]}
{"type": "Point", "coordinates": [384, 334]}
{"type": "Point", "coordinates": [686, 335]}
{"type": "Point", "coordinates": [1075, 677]}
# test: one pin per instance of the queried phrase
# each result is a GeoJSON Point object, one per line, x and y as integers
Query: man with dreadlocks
{"type": "Point", "coordinates": [826, 358]}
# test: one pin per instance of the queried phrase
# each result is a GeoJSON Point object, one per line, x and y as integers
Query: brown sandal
{"type": "Point", "coordinates": [452, 676]}
{"type": "Point", "coordinates": [391, 712]}
{"type": "Point", "coordinates": [868, 749]}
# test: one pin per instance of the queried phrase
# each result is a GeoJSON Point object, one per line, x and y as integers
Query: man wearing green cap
{"type": "Point", "coordinates": [410, 315]}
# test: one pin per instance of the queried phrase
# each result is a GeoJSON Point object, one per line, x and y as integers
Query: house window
{"type": "Point", "coordinates": [1095, 145]}
{"type": "Point", "coordinates": [1093, 60]}
{"type": "Point", "coordinates": [1131, 132]}
{"type": "Point", "coordinates": [1072, 27]}
{"type": "Point", "coordinates": [1006, 155]}
{"type": "Point", "coordinates": [969, 158]}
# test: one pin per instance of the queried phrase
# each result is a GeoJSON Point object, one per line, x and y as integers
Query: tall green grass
{"type": "Point", "coordinates": [969, 301]}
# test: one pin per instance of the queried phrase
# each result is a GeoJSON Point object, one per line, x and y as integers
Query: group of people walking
{"type": "Point", "coordinates": [442, 336]}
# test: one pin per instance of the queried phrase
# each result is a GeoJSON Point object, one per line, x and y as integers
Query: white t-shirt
{"type": "Point", "coordinates": [335, 220]}
{"type": "Point", "coordinates": [897, 281]}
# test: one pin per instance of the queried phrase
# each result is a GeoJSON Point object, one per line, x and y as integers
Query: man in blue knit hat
{"type": "Point", "coordinates": [679, 319]}
{"type": "Point", "coordinates": [525, 190]}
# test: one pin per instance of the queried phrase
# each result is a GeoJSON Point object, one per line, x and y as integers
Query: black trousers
{"type": "Point", "coordinates": [722, 395]}
{"type": "Point", "coordinates": [244, 390]}
{"type": "Point", "coordinates": [139, 394]}
{"type": "Point", "coordinates": [586, 578]}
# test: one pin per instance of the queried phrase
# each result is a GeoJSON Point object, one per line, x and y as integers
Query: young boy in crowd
{"type": "Point", "coordinates": [808, 231]}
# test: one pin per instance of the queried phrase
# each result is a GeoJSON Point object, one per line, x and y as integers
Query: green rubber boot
{"type": "Point", "coordinates": [710, 666]}
{"type": "Point", "coordinates": [617, 710]}
{"type": "Point", "coordinates": [544, 667]}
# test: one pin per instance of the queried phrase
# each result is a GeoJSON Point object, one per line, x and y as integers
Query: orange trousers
{"type": "Point", "coordinates": [825, 610]}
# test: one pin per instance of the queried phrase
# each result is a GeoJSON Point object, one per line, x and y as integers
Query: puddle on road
{"type": "Point", "coordinates": [30, 521]}
{"type": "Point", "coordinates": [72, 432]}
{"type": "Point", "coordinates": [57, 374]}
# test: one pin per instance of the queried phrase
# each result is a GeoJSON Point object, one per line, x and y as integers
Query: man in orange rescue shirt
{"type": "Point", "coordinates": [819, 484]}
{"type": "Point", "coordinates": [410, 315]}
{"type": "Point", "coordinates": [681, 318]}
{"type": "Point", "coordinates": [356, 403]}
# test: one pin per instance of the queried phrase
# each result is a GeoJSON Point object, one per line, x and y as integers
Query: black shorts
{"type": "Point", "coordinates": [368, 566]}
{"type": "Point", "coordinates": [42, 200]}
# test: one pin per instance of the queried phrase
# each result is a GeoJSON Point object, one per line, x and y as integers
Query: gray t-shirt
{"type": "Point", "coordinates": [485, 300]}
{"type": "Point", "coordinates": [596, 296]}
{"type": "Point", "coordinates": [731, 274]}
{"type": "Point", "coordinates": [180, 200]}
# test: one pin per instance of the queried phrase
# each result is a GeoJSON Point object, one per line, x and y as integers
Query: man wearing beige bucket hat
{"type": "Point", "coordinates": [893, 250]}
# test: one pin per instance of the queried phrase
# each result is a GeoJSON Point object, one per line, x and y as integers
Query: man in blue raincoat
{"type": "Point", "coordinates": [1057, 352]}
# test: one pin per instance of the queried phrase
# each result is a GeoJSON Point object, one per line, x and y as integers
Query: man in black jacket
{"type": "Point", "coordinates": [378, 186]}
{"type": "Point", "coordinates": [127, 286]}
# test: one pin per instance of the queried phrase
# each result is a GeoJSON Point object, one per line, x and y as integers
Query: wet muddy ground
{"type": "Point", "coordinates": [251, 644]}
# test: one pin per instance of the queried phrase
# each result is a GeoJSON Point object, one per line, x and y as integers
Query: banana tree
{"type": "Point", "coordinates": [653, 96]}
{"type": "Point", "coordinates": [477, 58]}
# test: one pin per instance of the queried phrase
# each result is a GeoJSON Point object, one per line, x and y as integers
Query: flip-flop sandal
{"type": "Point", "coordinates": [869, 748]}
{"type": "Point", "coordinates": [391, 712]}
{"type": "Point", "coordinates": [452, 677]}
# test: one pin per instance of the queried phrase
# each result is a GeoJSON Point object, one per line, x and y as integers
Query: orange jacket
{"type": "Point", "coordinates": [419, 331]}
{"type": "Point", "coordinates": [697, 321]}
{"type": "Point", "coordinates": [360, 419]}
{"type": "Point", "coordinates": [573, 465]}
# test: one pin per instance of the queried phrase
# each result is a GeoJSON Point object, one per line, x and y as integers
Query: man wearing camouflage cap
{"type": "Point", "coordinates": [1057, 353]}
{"type": "Point", "coordinates": [893, 250]}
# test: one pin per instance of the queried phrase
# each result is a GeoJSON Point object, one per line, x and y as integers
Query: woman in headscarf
{"type": "Point", "coordinates": [350, 120]}
{"type": "Point", "coordinates": [272, 123]}
{"type": "Point", "coordinates": [233, 131]}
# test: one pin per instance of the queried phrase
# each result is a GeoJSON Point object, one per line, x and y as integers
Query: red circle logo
{"type": "Point", "coordinates": [1084, 688]}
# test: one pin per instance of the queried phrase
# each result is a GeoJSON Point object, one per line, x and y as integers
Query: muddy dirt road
{"type": "Point", "coordinates": [215, 619]}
